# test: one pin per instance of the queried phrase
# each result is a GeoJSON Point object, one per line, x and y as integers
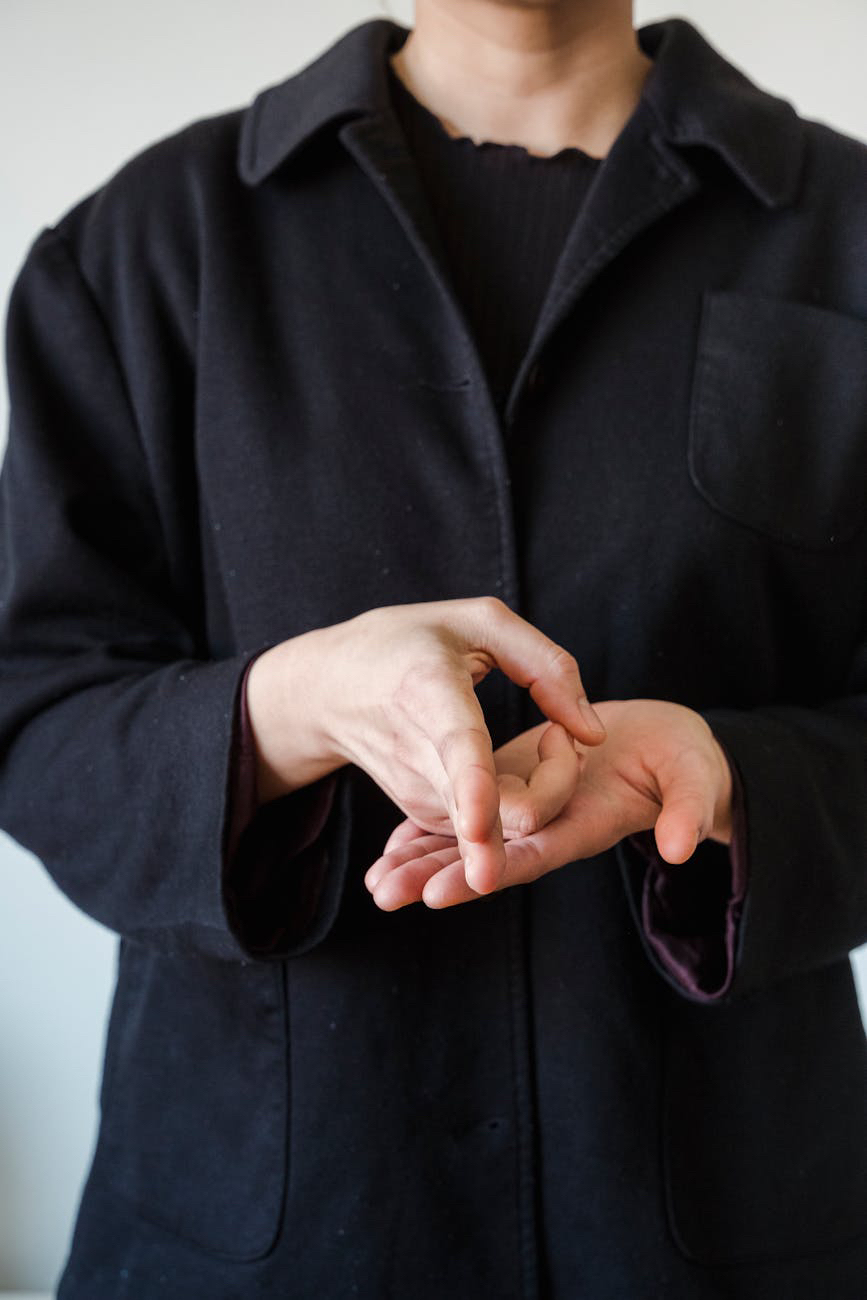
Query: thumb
{"type": "Point", "coordinates": [531, 660]}
{"type": "Point", "coordinates": [687, 813]}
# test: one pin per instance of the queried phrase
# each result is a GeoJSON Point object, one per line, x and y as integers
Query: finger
{"type": "Point", "coordinates": [526, 806]}
{"type": "Point", "coordinates": [404, 832]}
{"type": "Point", "coordinates": [404, 884]}
{"type": "Point", "coordinates": [679, 830]}
{"type": "Point", "coordinates": [443, 705]}
{"type": "Point", "coordinates": [419, 846]}
{"type": "Point", "coordinates": [468, 761]}
{"type": "Point", "coordinates": [532, 660]}
{"type": "Point", "coordinates": [448, 887]}
{"type": "Point", "coordinates": [687, 810]}
{"type": "Point", "coordinates": [592, 823]}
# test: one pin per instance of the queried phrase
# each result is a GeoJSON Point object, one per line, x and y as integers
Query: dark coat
{"type": "Point", "coordinates": [245, 404]}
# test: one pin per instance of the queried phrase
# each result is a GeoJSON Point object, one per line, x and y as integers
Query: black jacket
{"type": "Point", "coordinates": [245, 404]}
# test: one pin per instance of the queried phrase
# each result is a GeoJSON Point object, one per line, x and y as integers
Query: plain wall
{"type": "Point", "coordinates": [83, 85]}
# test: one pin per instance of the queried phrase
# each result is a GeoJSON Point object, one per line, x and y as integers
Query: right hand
{"type": "Point", "coordinates": [392, 690]}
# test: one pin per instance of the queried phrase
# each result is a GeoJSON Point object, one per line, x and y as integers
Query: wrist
{"type": "Point", "coordinates": [287, 717]}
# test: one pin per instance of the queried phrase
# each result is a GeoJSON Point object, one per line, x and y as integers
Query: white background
{"type": "Point", "coordinates": [83, 85]}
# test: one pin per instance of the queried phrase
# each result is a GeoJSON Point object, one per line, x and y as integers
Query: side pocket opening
{"type": "Point", "coordinates": [195, 1101]}
{"type": "Point", "coordinates": [765, 1122]}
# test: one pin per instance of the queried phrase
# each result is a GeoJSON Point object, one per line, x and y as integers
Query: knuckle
{"type": "Point", "coordinates": [534, 865]}
{"type": "Point", "coordinates": [563, 662]}
{"type": "Point", "coordinates": [456, 738]}
{"type": "Point", "coordinates": [420, 681]}
{"type": "Point", "coordinates": [696, 760]}
{"type": "Point", "coordinates": [492, 606]}
{"type": "Point", "coordinates": [527, 821]}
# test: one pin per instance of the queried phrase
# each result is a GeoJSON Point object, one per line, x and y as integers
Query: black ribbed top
{"type": "Point", "coordinates": [503, 215]}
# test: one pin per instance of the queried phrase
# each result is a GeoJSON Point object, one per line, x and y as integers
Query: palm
{"type": "Point", "coordinates": [657, 755]}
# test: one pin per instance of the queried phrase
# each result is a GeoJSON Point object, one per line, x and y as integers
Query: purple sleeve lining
{"type": "Point", "coordinates": [691, 913]}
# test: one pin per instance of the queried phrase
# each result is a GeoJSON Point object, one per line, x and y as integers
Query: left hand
{"type": "Point", "coordinates": [660, 767]}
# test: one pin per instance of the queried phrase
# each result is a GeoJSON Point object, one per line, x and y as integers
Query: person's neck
{"type": "Point", "coordinates": [542, 76]}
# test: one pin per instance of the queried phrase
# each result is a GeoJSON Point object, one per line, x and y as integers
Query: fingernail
{"type": "Point", "coordinates": [590, 716]}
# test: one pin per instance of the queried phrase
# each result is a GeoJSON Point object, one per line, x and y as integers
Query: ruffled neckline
{"type": "Point", "coordinates": [486, 148]}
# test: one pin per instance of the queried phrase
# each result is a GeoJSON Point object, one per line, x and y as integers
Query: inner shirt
{"type": "Point", "coordinates": [503, 215]}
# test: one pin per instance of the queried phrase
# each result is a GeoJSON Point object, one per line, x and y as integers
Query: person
{"type": "Point", "coordinates": [352, 433]}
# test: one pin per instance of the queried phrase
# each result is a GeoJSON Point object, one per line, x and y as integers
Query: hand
{"type": "Point", "coordinates": [661, 767]}
{"type": "Point", "coordinates": [392, 691]}
{"type": "Point", "coordinates": [536, 776]}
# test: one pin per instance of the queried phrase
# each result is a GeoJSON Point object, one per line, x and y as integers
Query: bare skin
{"type": "Point", "coordinates": [544, 74]}
{"type": "Point", "coordinates": [660, 768]}
{"type": "Point", "coordinates": [393, 689]}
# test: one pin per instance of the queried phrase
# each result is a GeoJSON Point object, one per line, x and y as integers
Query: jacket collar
{"type": "Point", "coordinates": [697, 97]}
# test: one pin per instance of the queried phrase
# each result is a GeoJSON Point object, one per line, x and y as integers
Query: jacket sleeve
{"type": "Point", "coordinates": [116, 728]}
{"type": "Point", "coordinates": [802, 774]}
{"type": "Point", "coordinates": [273, 906]}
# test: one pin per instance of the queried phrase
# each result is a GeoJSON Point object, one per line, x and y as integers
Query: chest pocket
{"type": "Point", "coordinates": [778, 420]}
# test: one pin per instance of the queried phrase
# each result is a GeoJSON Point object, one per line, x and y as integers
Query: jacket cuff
{"type": "Point", "coordinates": [276, 861]}
{"type": "Point", "coordinates": [690, 913]}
